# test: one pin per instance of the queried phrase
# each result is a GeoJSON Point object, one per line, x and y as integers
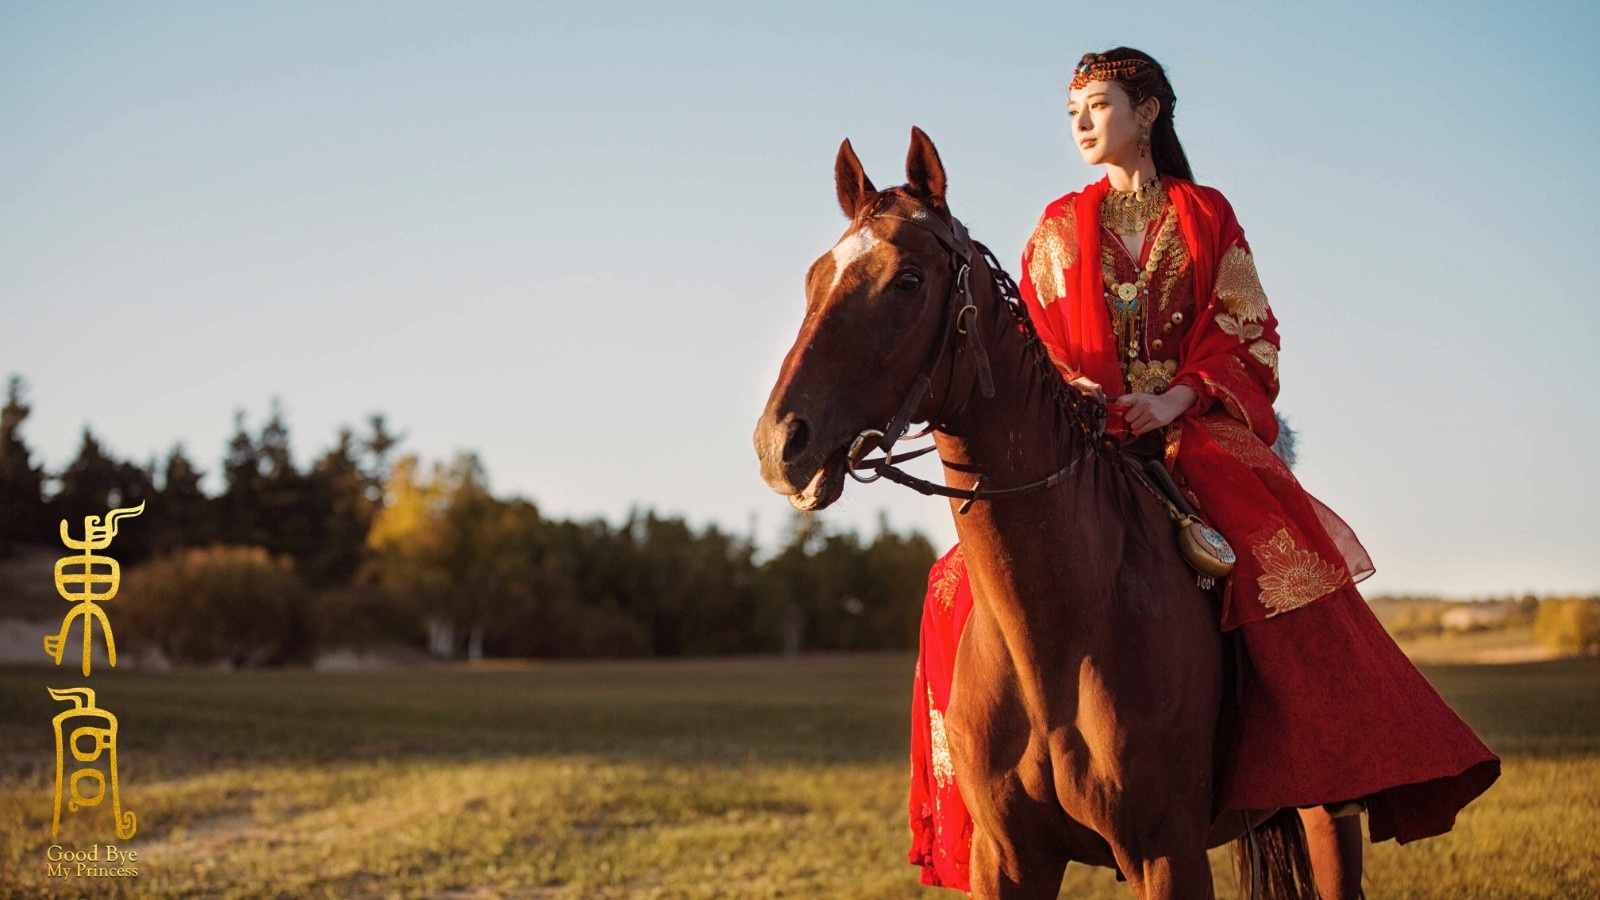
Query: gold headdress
{"type": "Point", "coordinates": [1106, 70]}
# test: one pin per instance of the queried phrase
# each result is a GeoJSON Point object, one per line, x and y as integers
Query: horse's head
{"type": "Point", "coordinates": [877, 312]}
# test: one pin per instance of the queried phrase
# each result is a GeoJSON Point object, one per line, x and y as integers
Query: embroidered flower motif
{"type": "Point", "coordinates": [1055, 247]}
{"type": "Point", "coordinates": [1267, 354]}
{"type": "Point", "coordinates": [944, 771]}
{"type": "Point", "coordinates": [1291, 576]}
{"type": "Point", "coordinates": [1244, 331]}
{"type": "Point", "coordinates": [1239, 287]}
{"type": "Point", "coordinates": [949, 577]}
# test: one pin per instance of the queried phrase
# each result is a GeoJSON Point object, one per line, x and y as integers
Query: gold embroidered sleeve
{"type": "Point", "coordinates": [1267, 354]}
{"type": "Point", "coordinates": [1061, 364]}
{"type": "Point", "coordinates": [1240, 442]}
{"type": "Point", "coordinates": [1244, 331]}
{"type": "Point", "coordinates": [1231, 401]}
{"type": "Point", "coordinates": [1054, 247]}
{"type": "Point", "coordinates": [1238, 286]}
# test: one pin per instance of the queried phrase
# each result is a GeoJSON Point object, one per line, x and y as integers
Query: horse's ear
{"type": "Point", "coordinates": [851, 180]}
{"type": "Point", "coordinates": [924, 171]}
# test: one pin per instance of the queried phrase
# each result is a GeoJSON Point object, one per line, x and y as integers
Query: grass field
{"type": "Point", "coordinates": [725, 778]}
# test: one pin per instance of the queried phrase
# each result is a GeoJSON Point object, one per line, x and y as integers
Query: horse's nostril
{"type": "Point", "coordinates": [796, 435]}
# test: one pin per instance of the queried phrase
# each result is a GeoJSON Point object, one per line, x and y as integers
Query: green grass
{"type": "Point", "coordinates": [726, 778]}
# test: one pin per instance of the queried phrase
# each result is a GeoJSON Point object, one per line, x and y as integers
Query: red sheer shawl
{"type": "Point", "coordinates": [1293, 550]}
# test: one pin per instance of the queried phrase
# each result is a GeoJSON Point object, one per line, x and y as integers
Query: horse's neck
{"type": "Point", "coordinates": [1061, 542]}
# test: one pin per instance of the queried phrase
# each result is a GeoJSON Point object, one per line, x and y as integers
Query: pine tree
{"type": "Point", "coordinates": [93, 484]}
{"type": "Point", "coordinates": [289, 522]}
{"type": "Point", "coordinates": [22, 509]}
{"type": "Point", "coordinates": [186, 515]}
{"type": "Point", "coordinates": [343, 511]}
{"type": "Point", "coordinates": [239, 507]}
{"type": "Point", "coordinates": [87, 484]}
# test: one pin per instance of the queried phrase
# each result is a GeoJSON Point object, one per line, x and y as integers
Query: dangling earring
{"type": "Point", "coordinates": [1144, 143]}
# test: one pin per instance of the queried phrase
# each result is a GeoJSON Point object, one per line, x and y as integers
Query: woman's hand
{"type": "Point", "coordinates": [1147, 412]}
{"type": "Point", "coordinates": [1086, 386]}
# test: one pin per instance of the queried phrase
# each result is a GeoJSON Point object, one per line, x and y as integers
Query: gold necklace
{"type": "Point", "coordinates": [1124, 297]}
{"type": "Point", "coordinates": [1129, 212]}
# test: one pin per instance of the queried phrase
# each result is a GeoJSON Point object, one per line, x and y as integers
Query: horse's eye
{"type": "Point", "coordinates": [907, 281]}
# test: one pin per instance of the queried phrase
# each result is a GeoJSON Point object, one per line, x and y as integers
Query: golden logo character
{"type": "Point", "coordinates": [100, 740]}
{"type": "Point", "coordinates": [79, 587]}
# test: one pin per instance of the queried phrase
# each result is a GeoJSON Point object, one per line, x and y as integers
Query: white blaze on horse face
{"type": "Point", "coordinates": [855, 245]}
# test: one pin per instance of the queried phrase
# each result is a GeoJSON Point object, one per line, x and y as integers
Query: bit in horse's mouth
{"type": "Point", "coordinates": [826, 486]}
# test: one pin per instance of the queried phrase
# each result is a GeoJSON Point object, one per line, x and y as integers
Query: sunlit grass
{"type": "Point", "coordinates": [728, 778]}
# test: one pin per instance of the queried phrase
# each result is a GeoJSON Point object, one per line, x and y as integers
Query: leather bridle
{"type": "Point", "coordinates": [962, 249]}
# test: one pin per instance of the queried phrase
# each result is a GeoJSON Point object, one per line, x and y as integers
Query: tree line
{"type": "Point", "coordinates": [368, 546]}
{"type": "Point", "coordinates": [1568, 625]}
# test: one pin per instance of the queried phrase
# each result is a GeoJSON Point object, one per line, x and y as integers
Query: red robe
{"type": "Point", "coordinates": [1332, 710]}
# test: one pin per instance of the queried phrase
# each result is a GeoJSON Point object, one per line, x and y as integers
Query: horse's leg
{"type": "Point", "coordinates": [1335, 848]}
{"type": "Point", "coordinates": [1179, 873]}
{"type": "Point", "coordinates": [1017, 869]}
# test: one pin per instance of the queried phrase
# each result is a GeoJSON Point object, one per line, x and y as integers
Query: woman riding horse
{"type": "Point", "coordinates": [1143, 290]}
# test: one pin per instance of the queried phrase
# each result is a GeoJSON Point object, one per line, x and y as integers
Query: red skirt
{"type": "Point", "coordinates": [1331, 711]}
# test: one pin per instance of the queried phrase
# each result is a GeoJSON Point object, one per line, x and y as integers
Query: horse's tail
{"type": "Point", "coordinates": [1273, 862]}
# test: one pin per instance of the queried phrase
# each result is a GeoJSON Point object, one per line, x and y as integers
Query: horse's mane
{"type": "Point", "coordinates": [1086, 414]}
{"type": "Point", "coordinates": [1077, 412]}
{"type": "Point", "coordinates": [1082, 412]}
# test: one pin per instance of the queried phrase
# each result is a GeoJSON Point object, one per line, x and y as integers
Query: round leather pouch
{"type": "Point", "coordinates": [1205, 549]}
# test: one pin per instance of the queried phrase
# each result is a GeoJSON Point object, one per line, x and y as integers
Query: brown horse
{"type": "Point", "coordinates": [1083, 717]}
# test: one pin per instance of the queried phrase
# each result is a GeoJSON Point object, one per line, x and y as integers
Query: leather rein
{"type": "Point", "coordinates": [956, 325]}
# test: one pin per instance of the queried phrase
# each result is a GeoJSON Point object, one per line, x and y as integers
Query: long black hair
{"type": "Point", "coordinates": [1151, 81]}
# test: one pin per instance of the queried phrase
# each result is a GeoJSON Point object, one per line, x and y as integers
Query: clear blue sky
{"type": "Point", "coordinates": [572, 237]}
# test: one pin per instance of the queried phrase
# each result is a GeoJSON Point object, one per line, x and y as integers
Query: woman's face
{"type": "Point", "coordinates": [1106, 125]}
